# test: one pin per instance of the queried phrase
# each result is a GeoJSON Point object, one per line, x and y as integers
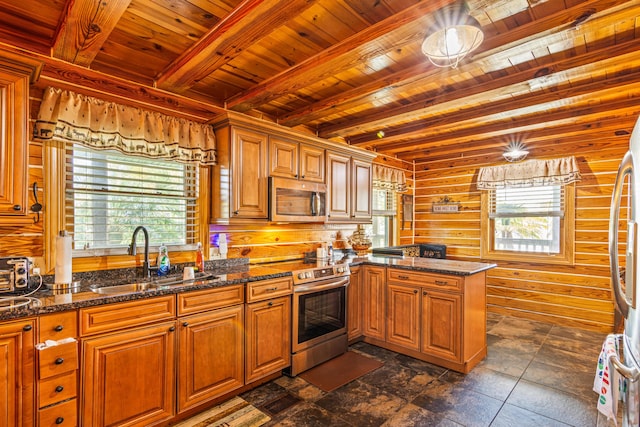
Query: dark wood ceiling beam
{"type": "Point", "coordinates": [406, 78]}
{"type": "Point", "coordinates": [340, 57]}
{"type": "Point", "coordinates": [249, 22]}
{"type": "Point", "coordinates": [85, 27]}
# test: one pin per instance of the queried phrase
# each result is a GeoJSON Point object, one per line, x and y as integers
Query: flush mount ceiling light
{"type": "Point", "coordinates": [515, 152]}
{"type": "Point", "coordinates": [453, 36]}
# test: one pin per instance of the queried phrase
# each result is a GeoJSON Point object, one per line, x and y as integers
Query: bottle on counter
{"type": "Point", "coordinates": [163, 261]}
{"type": "Point", "coordinates": [199, 258]}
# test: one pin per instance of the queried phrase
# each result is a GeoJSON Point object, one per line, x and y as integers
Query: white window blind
{"type": "Point", "coordinates": [109, 194]}
{"type": "Point", "coordinates": [514, 202]}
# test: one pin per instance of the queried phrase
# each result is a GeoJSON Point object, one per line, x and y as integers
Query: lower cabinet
{"type": "Point", "coordinates": [268, 327]}
{"type": "Point", "coordinates": [129, 376]}
{"type": "Point", "coordinates": [210, 355]}
{"type": "Point", "coordinates": [354, 304]}
{"type": "Point", "coordinates": [441, 327]}
{"type": "Point", "coordinates": [403, 319]}
{"type": "Point", "coordinates": [17, 373]}
{"type": "Point", "coordinates": [374, 305]}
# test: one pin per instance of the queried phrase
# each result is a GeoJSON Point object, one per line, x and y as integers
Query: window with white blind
{"type": "Point", "coordinates": [384, 211]}
{"type": "Point", "coordinates": [109, 194]}
{"type": "Point", "coordinates": [529, 223]}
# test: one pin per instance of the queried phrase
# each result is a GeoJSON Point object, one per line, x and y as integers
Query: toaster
{"type": "Point", "coordinates": [14, 274]}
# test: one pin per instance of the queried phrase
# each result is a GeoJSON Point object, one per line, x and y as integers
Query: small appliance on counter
{"type": "Point", "coordinates": [14, 275]}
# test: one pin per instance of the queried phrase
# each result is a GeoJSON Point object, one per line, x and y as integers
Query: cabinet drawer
{"type": "Point", "coordinates": [57, 326]}
{"type": "Point", "coordinates": [440, 281]}
{"type": "Point", "coordinates": [57, 359]}
{"type": "Point", "coordinates": [64, 414]}
{"type": "Point", "coordinates": [111, 317]}
{"type": "Point", "coordinates": [209, 299]}
{"type": "Point", "coordinates": [58, 388]}
{"type": "Point", "coordinates": [265, 289]}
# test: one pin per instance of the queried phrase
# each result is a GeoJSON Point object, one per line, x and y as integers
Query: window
{"type": "Point", "coordinates": [529, 223]}
{"type": "Point", "coordinates": [384, 211]}
{"type": "Point", "coordinates": [108, 194]}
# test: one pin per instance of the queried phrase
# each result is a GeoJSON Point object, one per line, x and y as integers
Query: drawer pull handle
{"type": "Point", "coordinates": [403, 277]}
{"type": "Point", "coordinates": [275, 288]}
{"type": "Point", "coordinates": [441, 282]}
{"type": "Point", "coordinates": [59, 389]}
{"type": "Point", "coordinates": [58, 328]}
{"type": "Point", "coordinates": [27, 328]}
{"type": "Point", "coordinates": [59, 420]}
{"type": "Point", "coordinates": [59, 361]}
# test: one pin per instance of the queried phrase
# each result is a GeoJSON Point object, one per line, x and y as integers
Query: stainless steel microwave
{"type": "Point", "coordinates": [292, 200]}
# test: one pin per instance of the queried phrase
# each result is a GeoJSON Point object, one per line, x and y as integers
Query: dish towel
{"type": "Point", "coordinates": [607, 380]}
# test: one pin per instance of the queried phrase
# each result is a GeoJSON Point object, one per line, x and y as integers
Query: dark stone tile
{"type": "Point", "coordinates": [420, 365]}
{"type": "Point", "coordinates": [398, 380]}
{"type": "Point", "coordinates": [493, 319]}
{"type": "Point", "coordinates": [464, 406]}
{"type": "Point", "coordinates": [509, 356]}
{"type": "Point", "coordinates": [521, 329]}
{"type": "Point", "coordinates": [300, 388]}
{"type": "Point", "coordinates": [377, 353]}
{"type": "Point", "coordinates": [571, 379]}
{"type": "Point", "coordinates": [510, 416]}
{"type": "Point", "coordinates": [415, 416]}
{"type": "Point", "coordinates": [307, 414]}
{"type": "Point", "coordinates": [561, 352]}
{"type": "Point", "coordinates": [362, 404]}
{"type": "Point", "coordinates": [280, 403]}
{"type": "Point", "coordinates": [590, 338]}
{"type": "Point", "coordinates": [263, 394]}
{"type": "Point", "coordinates": [483, 380]}
{"type": "Point", "coordinates": [551, 403]}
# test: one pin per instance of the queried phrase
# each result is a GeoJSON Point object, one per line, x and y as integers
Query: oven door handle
{"type": "Point", "coordinates": [320, 286]}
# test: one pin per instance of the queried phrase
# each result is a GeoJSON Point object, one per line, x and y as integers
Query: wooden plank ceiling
{"type": "Point", "coordinates": [348, 69]}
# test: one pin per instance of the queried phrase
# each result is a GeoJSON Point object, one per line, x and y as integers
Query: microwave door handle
{"type": "Point", "coordinates": [622, 302]}
{"type": "Point", "coordinates": [315, 203]}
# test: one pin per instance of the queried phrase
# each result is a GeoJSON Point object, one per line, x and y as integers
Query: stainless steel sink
{"type": "Point", "coordinates": [163, 283]}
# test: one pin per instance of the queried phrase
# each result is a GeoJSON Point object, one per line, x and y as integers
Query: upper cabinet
{"type": "Point", "coordinates": [16, 74]}
{"type": "Point", "coordinates": [297, 160]}
{"type": "Point", "coordinates": [349, 183]}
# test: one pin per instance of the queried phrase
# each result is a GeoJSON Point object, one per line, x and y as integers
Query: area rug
{"type": "Point", "coordinates": [236, 412]}
{"type": "Point", "coordinates": [340, 370]}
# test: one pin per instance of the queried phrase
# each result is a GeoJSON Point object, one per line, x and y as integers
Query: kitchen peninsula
{"type": "Point", "coordinates": [429, 309]}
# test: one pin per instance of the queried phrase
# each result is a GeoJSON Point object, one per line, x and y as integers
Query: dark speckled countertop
{"type": "Point", "coordinates": [49, 301]}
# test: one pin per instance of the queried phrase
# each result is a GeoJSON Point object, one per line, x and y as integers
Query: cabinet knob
{"type": "Point", "coordinates": [424, 293]}
{"type": "Point", "coordinates": [59, 389]}
{"type": "Point", "coordinates": [171, 329]}
{"type": "Point", "coordinates": [236, 212]}
{"type": "Point", "coordinates": [59, 420]}
{"type": "Point", "coordinates": [59, 361]}
{"type": "Point", "coordinates": [270, 303]}
{"type": "Point", "coordinates": [415, 291]}
{"type": "Point", "coordinates": [58, 328]}
{"type": "Point", "coordinates": [185, 323]}
{"type": "Point", "coordinates": [17, 207]}
{"type": "Point", "coordinates": [27, 328]}
{"type": "Point", "coordinates": [296, 175]}
{"type": "Point", "coordinates": [302, 176]}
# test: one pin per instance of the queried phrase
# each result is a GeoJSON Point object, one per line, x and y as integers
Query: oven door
{"type": "Point", "coordinates": [319, 312]}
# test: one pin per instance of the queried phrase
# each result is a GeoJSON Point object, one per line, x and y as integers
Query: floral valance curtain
{"type": "Point", "coordinates": [385, 178]}
{"type": "Point", "coordinates": [70, 117]}
{"type": "Point", "coordinates": [530, 173]}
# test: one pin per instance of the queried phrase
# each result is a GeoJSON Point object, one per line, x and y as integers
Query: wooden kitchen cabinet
{"type": "Point", "coordinates": [17, 359]}
{"type": "Point", "coordinates": [403, 315]}
{"type": "Point", "coordinates": [268, 329]}
{"type": "Point", "coordinates": [441, 327]}
{"type": "Point", "coordinates": [296, 160]}
{"type": "Point", "coordinates": [374, 302]}
{"type": "Point", "coordinates": [129, 376]}
{"type": "Point", "coordinates": [349, 183]}
{"type": "Point", "coordinates": [211, 345]}
{"type": "Point", "coordinates": [354, 304]}
{"type": "Point", "coordinates": [15, 75]}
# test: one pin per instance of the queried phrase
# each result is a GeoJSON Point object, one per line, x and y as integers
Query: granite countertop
{"type": "Point", "coordinates": [51, 301]}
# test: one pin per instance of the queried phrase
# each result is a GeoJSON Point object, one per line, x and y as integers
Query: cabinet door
{"type": "Point", "coordinates": [268, 329]}
{"type": "Point", "coordinates": [441, 328]}
{"type": "Point", "coordinates": [13, 147]}
{"type": "Point", "coordinates": [403, 315]}
{"type": "Point", "coordinates": [211, 355]}
{"type": "Point", "coordinates": [283, 158]}
{"type": "Point", "coordinates": [339, 187]}
{"type": "Point", "coordinates": [374, 302]}
{"type": "Point", "coordinates": [311, 163]}
{"type": "Point", "coordinates": [129, 377]}
{"type": "Point", "coordinates": [17, 373]}
{"type": "Point", "coordinates": [361, 190]}
{"type": "Point", "coordinates": [249, 174]}
{"type": "Point", "coordinates": [354, 305]}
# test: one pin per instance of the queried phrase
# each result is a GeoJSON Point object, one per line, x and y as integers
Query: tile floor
{"type": "Point", "coordinates": [535, 374]}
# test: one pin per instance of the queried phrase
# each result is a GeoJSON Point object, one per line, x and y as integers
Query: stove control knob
{"type": "Point", "coordinates": [309, 275]}
{"type": "Point", "coordinates": [300, 275]}
{"type": "Point", "coordinates": [340, 269]}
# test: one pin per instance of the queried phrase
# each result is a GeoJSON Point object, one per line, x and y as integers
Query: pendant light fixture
{"type": "Point", "coordinates": [453, 35]}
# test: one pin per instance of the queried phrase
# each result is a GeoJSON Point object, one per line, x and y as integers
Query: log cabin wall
{"type": "Point", "coordinates": [577, 295]}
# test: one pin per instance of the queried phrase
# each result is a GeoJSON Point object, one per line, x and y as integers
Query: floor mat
{"type": "Point", "coordinates": [236, 412]}
{"type": "Point", "coordinates": [339, 371]}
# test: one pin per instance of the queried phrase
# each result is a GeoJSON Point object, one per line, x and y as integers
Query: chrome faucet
{"type": "Point", "coordinates": [133, 250]}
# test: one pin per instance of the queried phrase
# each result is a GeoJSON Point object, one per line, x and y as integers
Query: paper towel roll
{"type": "Point", "coordinates": [63, 258]}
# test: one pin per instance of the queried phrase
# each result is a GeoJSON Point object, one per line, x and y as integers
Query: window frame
{"type": "Point", "coordinates": [391, 215]}
{"type": "Point", "coordinates": [566, 255]}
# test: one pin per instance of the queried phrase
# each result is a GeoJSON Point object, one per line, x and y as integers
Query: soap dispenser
{"type": "Point", "coordinates": [199, 258]}
{"type": "Point", "coordinates": [163, 260]}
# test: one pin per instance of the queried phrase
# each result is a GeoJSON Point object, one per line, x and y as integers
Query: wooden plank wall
{"type": "Point", "coordinates": [576, 295]}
